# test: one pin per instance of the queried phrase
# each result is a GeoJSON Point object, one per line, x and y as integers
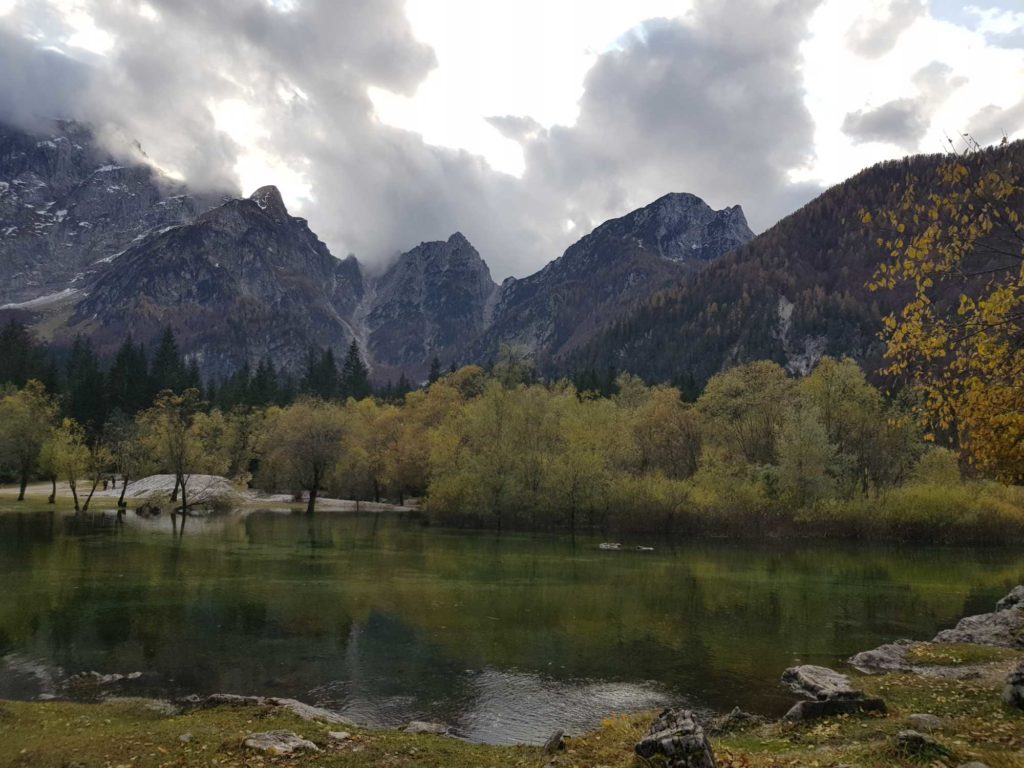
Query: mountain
{"type": "Point", "coordinates": [796, 292]}
{"type": "Point", "coordinates": [621, 263]}
{"type": "Point", "coordinates": [67, 204]}
{"type": "Point", "coordinates": [427, 303]}
{"type": "Point", "coordinates": [95, 247]}
{"type": "Point", "coordinates": [243, 282]}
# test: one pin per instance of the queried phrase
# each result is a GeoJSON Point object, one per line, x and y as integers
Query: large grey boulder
{"type": "Point", "coordinates": [1003, 628]}
{"type": "Point", "coordinates": [279, 743]}
{"type": "Point", "coordinates": [677, 737]}
{"type": "Point", "coordinates": [829, 693]}
{"type": "Point", "coordinates": [1013, 692]}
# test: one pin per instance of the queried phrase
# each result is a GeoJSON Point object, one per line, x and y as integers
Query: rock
{"type": "Point", "coordinates": [160, 706]}
{"type": "Point", "coordinates": [737, 720]}
{"type": "Point", "coordinates": [912, 743]}
{"type": "Point", "coordinates": [925, 722]}
{"type": "Point", "coordinates": [555, 742]}
{"type": "Point", "coordinates": [1013, 692]}
{"type": "Point", "coordinates": [1014, 599]}
{"type": "Point", "coordinates": [279, 743]}
{"type": "Point", "coordinates": [1003, 628]}
{"type": "Point", "coordinates": [678, 738]}
{"type": "Point", "coordinates": [830, 693]}
{"type": "Point", "coordinates": [339, 735]}
{"type": "Point", "coordinates": [819, 683]}
{"type": "Point", "coordinates": [304, 711]}
{"type": "Point", "coordinates": [812, 710]}
{"type": "Point", "coordinates": [185, 738]}
{"type": "Point", "coordinates": [891, 657]}
{"type": "Point", "coordinates": [422, 726]}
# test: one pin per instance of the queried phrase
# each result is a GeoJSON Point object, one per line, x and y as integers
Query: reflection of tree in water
{"type": "Point", "coordinates": [389, 616]}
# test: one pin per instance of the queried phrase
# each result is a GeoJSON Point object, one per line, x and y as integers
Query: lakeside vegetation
{"type": "Point", "coordinates": [757, 452]}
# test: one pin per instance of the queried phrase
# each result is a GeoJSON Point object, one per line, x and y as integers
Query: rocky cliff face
{"type": "Point", "coordinates": [430, 302]}
{"type": "Point", "coordinates": [66, 205]}
{"type": "Point", "coordinates": [89, 245]}
{"type": "Point", "coordinates": [607, 272]}
{"type": "Point", "coordinates": [243, 282]}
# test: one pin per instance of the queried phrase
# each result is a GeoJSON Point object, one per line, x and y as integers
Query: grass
{"type": "Point", "coordinates": [955, 654]}
{"type": "Point", "coordinates": [976, 726]}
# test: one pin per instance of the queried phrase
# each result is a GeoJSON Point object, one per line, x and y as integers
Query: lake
{"type": "Point", "coordinates": [504, 637]}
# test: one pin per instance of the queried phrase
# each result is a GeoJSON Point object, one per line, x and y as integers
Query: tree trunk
{"type": "Point", "coordinates": [74, 494]}
{"type": "Point", "coordinates": [177, 483]}
{"type": "Point", "coordinates": [124, 485]}
{"type": "Point", "coordinates": [53, 490]}
{"type": "Point", "coordinates": [180, 482]}
{"type": "Point", "coordinates": [95, 483]}
{"type": "Point", "coordinates": [376, 491]}
{"type": "Point", "coordinates": [313, 490]}
{"type": "Point", "coordinates": [22, 485]}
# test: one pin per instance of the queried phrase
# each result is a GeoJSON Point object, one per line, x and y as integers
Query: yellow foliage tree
{"type": "Point", "coordinates": [957, 247]}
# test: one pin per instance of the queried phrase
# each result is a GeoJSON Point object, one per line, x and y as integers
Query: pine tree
{"type": "Point", "coordinates": [128, 379]}
{"type": "Point", "coordinates": [435, 370]}
{"type": "Point", "coordinates": [168, 370]}
{"type": "Point", "coordinates": [86, 396]}
{"type": "Point", "coordinates": [355, 376]}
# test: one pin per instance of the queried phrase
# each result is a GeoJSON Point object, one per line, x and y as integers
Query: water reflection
{"type": "Point", "coordinates": [504, 637]}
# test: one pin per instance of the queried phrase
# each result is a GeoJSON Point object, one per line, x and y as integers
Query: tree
{"type": "Point", "coordinates": [304, 443]}
{"type": "Point", "coordinates": [170, 427]}
{"type": "Point", "coordinates": [25, 420]}
{"type": "Point", "coordinates": [128, 387]}
{"type": "Point", "coordinates": [128, 453]}
{"type": "Point", "coordinates": [75, 459]}
{"type": "Point", "coordinates": [743, 409]}
{"type": "Point", "coordinates": [435, 370]}
{"type": "Point", "coordinates": [355, 376]}
{"type": "Point", "coordinates": [805, 456]}
{"type": "Point", "coordinates": [959, 339]}
{"type": "Point", "coordinates": [86, 388]}
{"type": "Point", "coordinates": [321, 377]}
{"type": "Point", "coordinates": [168, 369]}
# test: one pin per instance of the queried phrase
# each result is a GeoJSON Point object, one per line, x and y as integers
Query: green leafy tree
{"type": "Point", "coordinates": [26, 417]}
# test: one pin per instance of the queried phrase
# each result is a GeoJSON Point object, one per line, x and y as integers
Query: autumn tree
{"type": "Point", "coordinates": [959, 340]}
{"type": "Point", "coordinates": [26, 417]}
{"type": "Point", "coordinates": [170, 429]}
{"type": "Point", "coordinates": [304, 444]}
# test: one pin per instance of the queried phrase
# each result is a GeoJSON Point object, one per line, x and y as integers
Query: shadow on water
{"type": "Point", "coordinates": [503, 636]}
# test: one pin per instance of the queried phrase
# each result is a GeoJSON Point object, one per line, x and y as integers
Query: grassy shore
{"type": "Point", "coordinates": [976, 726]}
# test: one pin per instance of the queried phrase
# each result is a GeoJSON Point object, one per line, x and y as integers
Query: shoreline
{"type": "Point", "coordinates": [949, 689]}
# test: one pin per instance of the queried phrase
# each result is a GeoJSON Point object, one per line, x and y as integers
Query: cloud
{"type": "Point", "coordinates": [874, 37]}
{"type": "Point", "coordinates": [897, 122]}
{"type": "Point", "coordinates": [711, 104]}
{"type": "Point", "coordinates": [905, 121]}
{"type": "Point", "coordinates": [714, 106]}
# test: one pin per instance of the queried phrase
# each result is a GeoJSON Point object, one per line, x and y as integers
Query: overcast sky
{"type": "Point", "coordinates": [522, 123]}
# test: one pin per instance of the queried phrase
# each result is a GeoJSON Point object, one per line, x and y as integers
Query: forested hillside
{"type": "Point", "coordinates": [793, 294]}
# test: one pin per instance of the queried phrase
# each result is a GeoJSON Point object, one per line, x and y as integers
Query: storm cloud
{"type": "Point", "coordinates": [711, 104]}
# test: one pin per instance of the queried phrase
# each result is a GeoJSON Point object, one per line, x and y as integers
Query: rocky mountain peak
{"type": "Point", "coordinates": [269, 199]}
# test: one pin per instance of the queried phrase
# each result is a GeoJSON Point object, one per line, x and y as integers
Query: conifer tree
{"type": "Point", "coordinates": [355, 376]}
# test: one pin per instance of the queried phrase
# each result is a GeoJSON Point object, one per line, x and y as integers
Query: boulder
{"type": "Point", "coordinates": [1013, 692]}
{"type": "Point", "coordinates": [891, 657]}
{"type": "Point", "coordinates": [279, 743]}
{"type": "Point", "coordinates": [829, 692]}
{"type": "Point", "coordinates": [1014, 599]}
{"type": "Point", "coordinates": [422, 726]}
{"type": "Point", "coordinates": [339, 735]}
{"type": "Point", "coordinates": [555, 742]}
{"type": "Point", "coordinates": [820, 683]}
{"type": "Point", "coordinates": [304, 711]}
{"type": "Point", "coordinates": [678, 739]}
{"type": "Point", "coordinates": [737, 720]}
{"type": "Point", "coordinates": [925, 722]}
{"type": "Point", "coordinates": [1004, 627]}
{"type": "Point", "coordinates": [912, 742]}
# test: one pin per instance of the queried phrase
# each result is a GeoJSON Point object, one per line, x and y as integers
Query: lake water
{"type": "Point", "coordinates": [503, 637]}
